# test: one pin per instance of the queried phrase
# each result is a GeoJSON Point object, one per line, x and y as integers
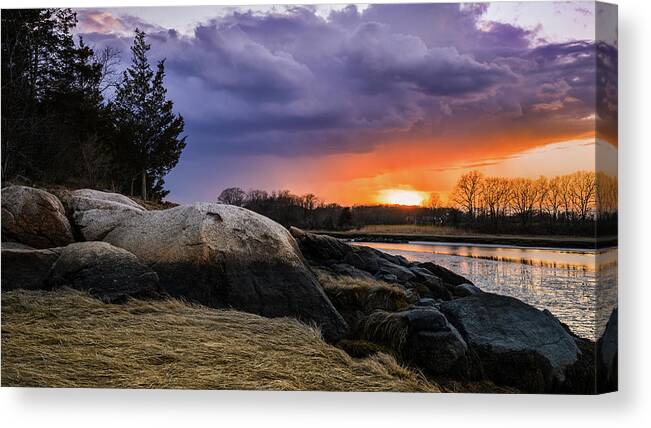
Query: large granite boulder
{"type": "Point", "coordinates": [109, 273]}
{"type": "Point", "coordinates": [513, 343]}
{"type": "Point", "coordinates": [226, 256]}
{"type": "Point", "coordinates": [34, 217]}
{"type": "Point", "coordinates": [95, 213]}
{"type": "Point", "coordinates": [607, 369]}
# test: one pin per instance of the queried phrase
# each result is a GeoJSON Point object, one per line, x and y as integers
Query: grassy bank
{"type": "Point", "coordinates": [429, 233]}
{"type": "Point", "coordinates": [67, 339]}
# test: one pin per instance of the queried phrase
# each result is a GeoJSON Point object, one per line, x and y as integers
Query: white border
{"type": "Point", "coordinates": [117, 408]}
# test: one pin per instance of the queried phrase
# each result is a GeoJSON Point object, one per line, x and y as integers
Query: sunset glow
{"type": "Point", "coordinates": [374, 104]}
{"type": "Point", "coordinates": [401, 197]}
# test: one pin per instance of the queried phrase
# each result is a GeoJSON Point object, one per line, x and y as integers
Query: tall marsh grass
{"type": "Point", "coordinates": [68, 339]}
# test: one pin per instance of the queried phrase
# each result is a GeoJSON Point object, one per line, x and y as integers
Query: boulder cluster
{"type": "Point", "coordinates": [362, 299]}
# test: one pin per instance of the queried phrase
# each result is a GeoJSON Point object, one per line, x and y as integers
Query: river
{"type": "Point", "coordinates": [578, 286]}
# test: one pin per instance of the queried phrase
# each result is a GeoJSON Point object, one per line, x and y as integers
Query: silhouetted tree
{"type": "Point", "coordinates": [52, 107]}
{"type": "Point", "coordinates": [151, 142]}
{"type": "Point", "coordinates": [233, 196]}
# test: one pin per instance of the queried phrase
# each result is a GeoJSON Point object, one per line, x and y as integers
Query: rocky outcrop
{"type": "Point", "coordinates": [226, 256]}
{"type": "Point", "coordinates": [95, 213]}
{"type": "Point", "coordinates": [428, 280]}
{"type": "Point", "coordinates": [34, 217]}
{"type": "Point", "coordinates": [109, 273]}
{"type": "Point", "coordinates": [513, 343]}
{"type": "Point", "coordinates": [607, 344]}
{"type": "Point", "coordinates": [454, 329]}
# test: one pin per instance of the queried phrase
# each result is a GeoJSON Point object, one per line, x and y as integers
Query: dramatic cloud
{"type": "Point", "coordinates": [292, 82]}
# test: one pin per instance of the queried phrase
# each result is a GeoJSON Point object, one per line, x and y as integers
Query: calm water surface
{"type": "Point", "coordinates": [578, 286]}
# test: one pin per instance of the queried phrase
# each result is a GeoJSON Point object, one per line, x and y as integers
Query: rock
{"type": "Point", "coordinates": [423, 275]}
{"type": "Point", "coordinates": [364, 258]}
{"type": "Point", "coordinates": [34, 217]}
{"type": "Point", "coordinates": [432, 343]}
{"type": "Point", "coordinates": [16, 246]}
{"type": "Point", "coordinates": [446, 275]}
{"type": "Point", "coordinates": [109, 273]}
{"type": "Point", "coordinates": [464, 290]}
{"type": "Point", "coordinates": [320, 247]}
{"type": "Point", "coordinates": [348, 270]}
{"type": "Point", "coordinates": [434, 286]}
{"type": "Point", "coordinates": [325, 250]}
{"type": "Point", "coordinates": [426, 302]}
{"type": "Point", "coordinates": [225, 256]}
{"type": "Point", "coordinates": [385, 267]}
{"type": "Point", "coordinates": [28, 269]}
{"type": "Point", "coordinates": [422, 336]}
{"type": "Point", "coordinates": [607, 370]}
{"type": "Point", "coordinates": [86, 199]}
{"type": "Point", "coordinates": [95, 213]}
{"type": "Point", "coordinates": [387, 277]}
{"type": "Point", "coordinates": [513, 343]}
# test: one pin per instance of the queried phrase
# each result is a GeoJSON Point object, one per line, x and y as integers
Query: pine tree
{"type": "Point", "coordinates": [51, 102]}
{"type": "Point", "coordinates": [147, 121]}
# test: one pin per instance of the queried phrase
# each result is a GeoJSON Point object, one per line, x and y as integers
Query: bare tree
{"type": "Point", "coordinates": [606, 196]}
{"type": "Point", "coordinates": [434, 202]}
{"type": "Point", "coordinates": [525, 197]}
{"type": "Point", "coordinates": [109, 60]}
{"type": "Point", "coordinates": [232, 196]}
{"type": "Point", "coordinates": [553, 199]}
{"type": "Point", "coordinates": [495, 196]}
{"type": "Point", "coordinates": [582, 191]}
{"type": "Point", "coordinates": [467, 191]}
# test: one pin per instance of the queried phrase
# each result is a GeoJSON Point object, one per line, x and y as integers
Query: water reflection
{"type": "Point", "coordinates": [567, 282]}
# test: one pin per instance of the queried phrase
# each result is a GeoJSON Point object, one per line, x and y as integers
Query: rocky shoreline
{"type": "Point", "coordinates": [364, 301]}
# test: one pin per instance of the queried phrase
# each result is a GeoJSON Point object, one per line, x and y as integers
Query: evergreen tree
{"type": "Point", "coordinates": [151, 144]}
{"type": "Point", "coordinates": [51, 103]}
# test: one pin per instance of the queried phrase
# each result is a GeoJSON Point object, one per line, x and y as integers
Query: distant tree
{"type": "Point", "coordinates": [553, 200]}
{"type": "Point", "coordinates": [583, 191]}
{"type": "Point", "coordinates": [606, 194]}
{"type": "Point", "coordinates": [467, 190]}
{"type": "Point", "coordinates": [495, 194]}
{"type": "Point", "coordinates": [525, 197]}
{"type": "Point", "coordinates": [233, 196]}
{"type": "Point", "coordinates": [434, 202]}
{"type": "Point", "coordinates": [345, 218]}
{"type": "Point", "coordinates": [151, 142]}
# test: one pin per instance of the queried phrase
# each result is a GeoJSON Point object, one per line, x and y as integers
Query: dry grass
{"type": "Point", "coordinates": [386, 328]}
{"type": "Point", "coordinates": [67, 339]}
{"type": "Point", "coordinates": [366, 294]}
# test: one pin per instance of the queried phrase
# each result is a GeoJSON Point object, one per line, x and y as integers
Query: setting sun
{"type": "Point", "coordinates": [401, 197]}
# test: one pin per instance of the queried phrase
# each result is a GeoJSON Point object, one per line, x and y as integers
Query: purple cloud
{"type": "Point", "coordinates": [291, 82]}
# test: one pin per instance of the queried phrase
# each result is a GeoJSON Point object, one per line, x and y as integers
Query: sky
{"type": "Point", "coordinates": [350, 101]}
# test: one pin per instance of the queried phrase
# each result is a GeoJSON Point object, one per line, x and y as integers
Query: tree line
{"type": "Point", "coordinates": [570, 204]}
{"type": "Point", "coordinates": [69, 117]}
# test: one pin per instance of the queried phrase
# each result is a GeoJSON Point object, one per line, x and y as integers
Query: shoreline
{"type": "Point", "coordinates": [520, 241]}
